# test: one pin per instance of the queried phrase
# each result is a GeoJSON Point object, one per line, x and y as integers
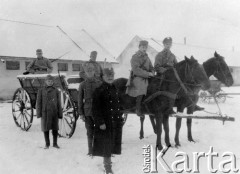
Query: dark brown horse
{"type": "Point", "coordinates": [215, 66]}
{"type": "Point", "coordinates": [160, 98]}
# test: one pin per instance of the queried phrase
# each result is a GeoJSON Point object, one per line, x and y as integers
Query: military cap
{"type": "Point", "coordinates": [108, 72]}
{"type": "Point", "coordinates": [167, 40]}
{"type": "Point", "coordinates": [93, 53]}
{"type": "Point", "coordinates": [88, 66]}
{"type": "Point", "coordinates": [49, 77]}
{"type": "Point", "coordinates": [39, 50]}
{"type": "Point", "coordinates": [143, 43]}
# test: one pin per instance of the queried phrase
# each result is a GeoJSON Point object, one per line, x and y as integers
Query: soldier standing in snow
{"type": "Point", "coordinates": [48, 106]}
{"type": "Point", "coordinates": [86, 90]}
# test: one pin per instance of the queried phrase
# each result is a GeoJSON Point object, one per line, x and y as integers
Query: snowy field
{"type": "Point", "coordinates": [22, 152]}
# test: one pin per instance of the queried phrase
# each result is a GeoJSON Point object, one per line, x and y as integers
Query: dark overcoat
{"type": "Point", "coordinates": [49, 108]}
{"type": "Point", "coordinates": [106, 109]}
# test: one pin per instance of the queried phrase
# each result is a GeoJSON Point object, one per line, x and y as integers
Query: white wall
{"type": "Point", "coordinates": [9, 83]}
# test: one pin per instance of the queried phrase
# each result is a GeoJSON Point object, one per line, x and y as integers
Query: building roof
{"type": "Point", "coordinates": [22, 40]}
{"type": "Point", "coordinates": [180, 50]}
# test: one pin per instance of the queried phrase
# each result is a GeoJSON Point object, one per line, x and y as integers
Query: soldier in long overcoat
{"type": "Point", "coordinates": [98, 69]}
{"type": "Point", "coordinates": [85, 93]}
{"type": "Point", "coordinates": [142, 69]}
{"type": "Point", "coordinates": [41, 65]}
{"type": "Point", "coordinates": [108, 120]}
{"type": "Point", "coordinates": [48, 106]}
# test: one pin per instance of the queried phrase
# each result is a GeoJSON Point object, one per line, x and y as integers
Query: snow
{"type": "Point", "coordinates": [22, 153]}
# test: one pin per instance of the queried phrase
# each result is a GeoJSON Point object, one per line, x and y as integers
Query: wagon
{"type": "Point", "coordinates": [24, 101]}
{"type": "Point", "coordinates": [213, 93]}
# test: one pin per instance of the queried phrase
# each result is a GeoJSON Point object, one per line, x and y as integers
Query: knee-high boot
{"type": "Point", "coordinates": [138, 105]}
{"type": "Point", "coordinates": [55, 136]}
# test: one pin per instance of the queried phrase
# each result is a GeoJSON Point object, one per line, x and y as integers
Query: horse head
{"type": "Point", "coordinates": [222, 71]}
{"type": "Point", "coordinates": [193, 73]}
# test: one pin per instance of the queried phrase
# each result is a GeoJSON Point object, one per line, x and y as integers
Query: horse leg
{"type": "Point", "coordinates": [166, 129]}
{"type": "Point", "coordinates": [152, 119]}
{"type": "Point", "coordinates": [141, 129]}
{"type": "Point", "coordinates": [178, 127]}
{"type": "Point", "coordinates": [189, 127]}
{"type": "Point", "coordinates": [159, 130]}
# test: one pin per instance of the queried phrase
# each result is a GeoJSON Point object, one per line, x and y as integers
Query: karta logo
{"type": "Point", "coordinates": [152, 158]}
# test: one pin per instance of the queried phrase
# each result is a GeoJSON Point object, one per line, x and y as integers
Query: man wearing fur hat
{"type": "Point", "coordinates": [108, 120]}
{"type": "Point", "coordinates": [86, 89]}
{"type": "Point", "coordinates": [142, 69]}
{"type": "Point", "coordinates": [98, 68]}
{"type": "Point", "coordinates": [48, 106]}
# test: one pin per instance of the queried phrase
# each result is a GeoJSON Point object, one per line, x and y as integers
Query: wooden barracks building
{"type": "Point", "coordinates": [18, 48]}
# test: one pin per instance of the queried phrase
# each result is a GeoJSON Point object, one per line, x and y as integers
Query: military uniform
{"type": "Point", "coordinates": [41, 65]}
{"type": "Point", "coordinates": [98, 70]}
{"type": "Point", "coordinates": [86, 90]}
{"type": "Point", "coordinates": [164, 59]}
{"type": "Point", "coordinates": [141, 70]}
{"type": "Point", "coordinates": [48, 107]}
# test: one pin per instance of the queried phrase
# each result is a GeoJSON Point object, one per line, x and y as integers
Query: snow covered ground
{"type": "Point", "coordinates": [22, 152]}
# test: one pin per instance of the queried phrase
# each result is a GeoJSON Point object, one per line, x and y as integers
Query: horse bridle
{"type": "Point", "coordinates": [221, 70]}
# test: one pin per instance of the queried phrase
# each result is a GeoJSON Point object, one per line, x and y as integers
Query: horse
{"type": "Point", "coordinates": [214, 66]}
{"type": "Point", "coordinates": [162, 93]}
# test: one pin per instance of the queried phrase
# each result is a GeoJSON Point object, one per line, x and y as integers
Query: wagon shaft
{"type": "Point", "coordinates": [225, 118]}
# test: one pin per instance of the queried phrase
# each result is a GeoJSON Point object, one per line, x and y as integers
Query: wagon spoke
{"type": "Point", "coordinates": [69, 124]}
{"type": "Point", "coordinates": [27, 118]}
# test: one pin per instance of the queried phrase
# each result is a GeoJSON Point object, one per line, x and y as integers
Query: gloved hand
{"type": "Point", "coordinates": [150, 74]}
{"type": "Point", "coordinates": [161, 70]}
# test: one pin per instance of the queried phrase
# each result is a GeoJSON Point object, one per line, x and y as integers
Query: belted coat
{"type": "Point", "coordinates": [40, 66]}
{"type": "Point", "coordinates": [141, 67]}
{"type": "Point", "coordinates": [48, 106]}
{"type": "Point", "coordinates": [165, 58]}
{"type": "Point", "coordinates": [106, 110]}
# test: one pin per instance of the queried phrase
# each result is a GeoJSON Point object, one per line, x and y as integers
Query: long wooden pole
{"type": "Point", "coordinates": [223, 118]}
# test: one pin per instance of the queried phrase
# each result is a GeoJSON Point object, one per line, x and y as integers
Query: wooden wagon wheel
{"type": "Point", "coordinates": [22, 109]}
{"type": "Point", "coordinates": [67, 124]}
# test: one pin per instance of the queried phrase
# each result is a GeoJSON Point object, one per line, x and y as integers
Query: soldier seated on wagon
{"type": "Point", "coordinates": [41, 65]}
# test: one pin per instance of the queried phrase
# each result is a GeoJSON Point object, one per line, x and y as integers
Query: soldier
{"type": "Point", "coordinates": [41, 65]}
{"type": "Point", "coordinates": [108, 120]}
{"type": "Point", "coordinates": [86, 90]}
{"type": "Point", "coordinates": [165, 58]}
{"type": "Point", "coordinates": [98, 68]}
{"type": "Point", "coordinates": [142, 69]}
{"type": "Point", "coordinates": [48, 106]}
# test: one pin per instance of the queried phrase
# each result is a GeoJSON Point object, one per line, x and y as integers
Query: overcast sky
{"type": "Point", "coordinates": [211, 23]}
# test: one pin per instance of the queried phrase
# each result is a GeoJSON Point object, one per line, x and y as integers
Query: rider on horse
{"type": "Point", "coordinates": [142, 69]}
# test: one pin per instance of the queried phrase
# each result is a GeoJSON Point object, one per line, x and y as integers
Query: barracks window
{"type": "Point", "coordinates": [12, 65]}
{"type": "Point", "coordinates": [63, 66]}
{"type": "Point", "coordinates": [26, 65]}
{"type": "Point", "coordinates": [76, 67]}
